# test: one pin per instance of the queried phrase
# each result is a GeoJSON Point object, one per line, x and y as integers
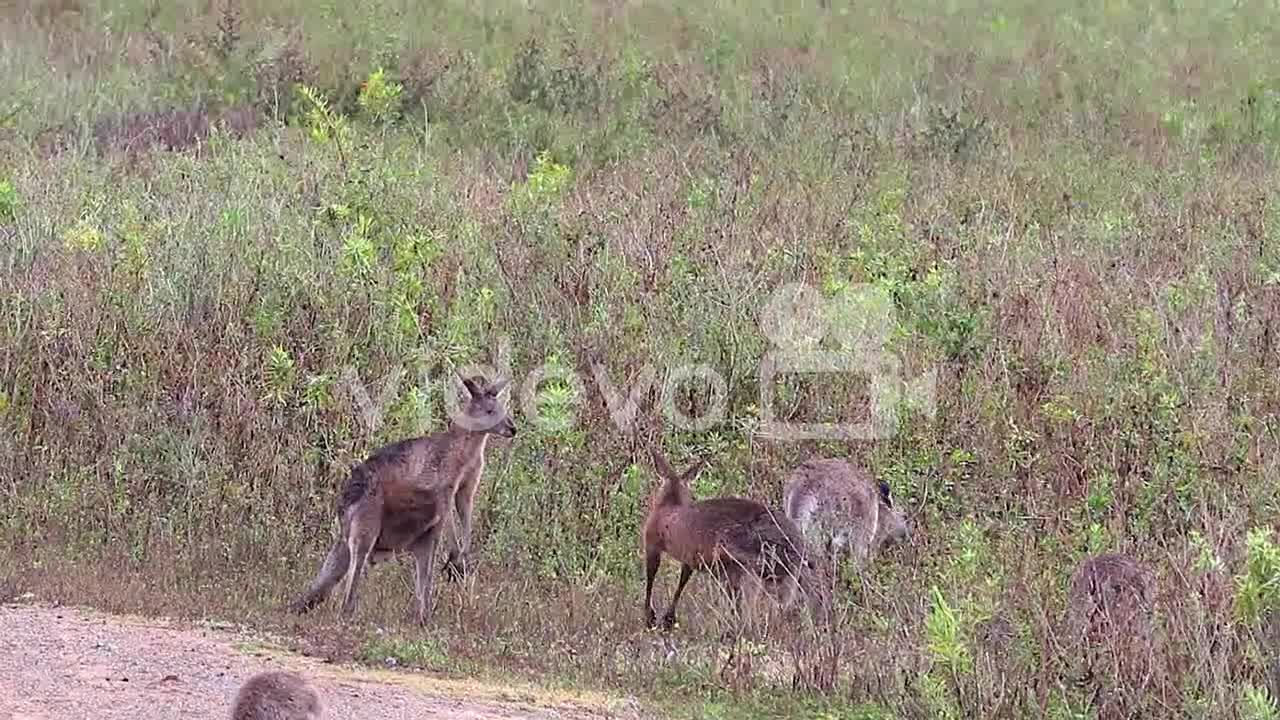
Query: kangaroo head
{"type": "Point", "coordinates": [891, 526]}
{"type": "Point", "coordinates": [675, 485]}
{"type": "Point", "coordinates": [484, 411]}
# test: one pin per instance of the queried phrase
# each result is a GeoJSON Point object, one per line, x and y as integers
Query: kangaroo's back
{"type": "Point", "coordinates": [1110, 623]}
{"type": "Point", "coordinates": [405, 458]}
{"type": "Point", "coordinates": [821, 491]}
{"type": "Point", "coordinates": [1111, 592]}
{"type": "Point", "coordinates": [751, 543]}
{"type": "Point", "coordinates": [735, 530]}
{"type": "Point", "coordinates": [277, 695]}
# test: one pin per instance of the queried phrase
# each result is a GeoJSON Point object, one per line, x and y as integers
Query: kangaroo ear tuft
{"type": "Point", "coordinates": [499, 386]}
{"type": "Point", "coordinates": [660, 464]}
{"type": "Point", "coordinates": [884, 493]}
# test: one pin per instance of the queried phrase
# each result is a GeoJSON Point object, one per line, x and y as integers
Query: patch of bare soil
{"type": "Point", "coordinates": [61, 663]}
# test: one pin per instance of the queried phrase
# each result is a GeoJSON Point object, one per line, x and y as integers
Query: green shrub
{"type": "Point", "coordinates": [8, 201]}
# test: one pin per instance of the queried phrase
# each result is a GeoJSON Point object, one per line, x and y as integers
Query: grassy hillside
{"type": "Point", "coordinates": [217, 218]}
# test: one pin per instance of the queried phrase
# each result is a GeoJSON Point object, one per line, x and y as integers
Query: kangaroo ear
{"type": "Point", "coordinates": [473, 388]}
{"type": "Point", "coordinates": [498, 387]}
{"type": "Point", "coordinates": [660, 464]}
{"type": "Point", "coordinates": [692, 472]}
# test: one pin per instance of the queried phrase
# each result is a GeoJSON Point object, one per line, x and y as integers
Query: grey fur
{"type": "Point", "coordinates": [277, 695]}
{"type": "Point", "coordinates": [1111, 594]}
{"type": "Point", "coordinates": [400, 497]}
{"type": "Point", "coordinates": [841, 508]}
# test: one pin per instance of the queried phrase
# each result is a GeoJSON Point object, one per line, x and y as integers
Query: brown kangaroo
{"type": "Point", "coordinates": [1111, 594]}
{"type": "Point", "coordinates": [399, 498]}
{"type": "Point", "coordinates": [1110, 636]}
{"type": "Point", "coordinates": [738, 540]}
{"type": "Point", "coordinates": [841, 508]}
{"type": "Point", "coordinates": [277, 695]}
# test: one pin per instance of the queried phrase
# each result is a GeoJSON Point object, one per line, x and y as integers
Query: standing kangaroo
{"type": "Point", "coordinates": [842, 509]}
{"type": "Point", "coordinates": [277, 695]}
{"type": "Point", "coordinates": [399, 498]}
{"type": "Point", "coordinates": [739, 540]}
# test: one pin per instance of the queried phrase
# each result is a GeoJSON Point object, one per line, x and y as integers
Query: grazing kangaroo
{"type": "Point", "coordinates": [840, 508]}
{"type": "Point", "coordinates": [277, 695]}
{"type": "Point", "coordinates": [1110, 594]}
{"type": "Point", "coordinates": [399, 498]}
{"type": "Point", "coordinates": [738, 540]}
{"type": "Point", "coordinates": [1110, 637]}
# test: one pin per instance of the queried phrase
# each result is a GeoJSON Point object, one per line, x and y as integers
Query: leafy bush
{"type": "Point", "coordinates": [1258, 586]}
{"type": "Point", "coordinates": [380, 97]}
{"type": "Point", "coordinates": [8, 201]}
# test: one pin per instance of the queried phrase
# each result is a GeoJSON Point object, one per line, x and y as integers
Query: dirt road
{"type": "Point", "coordinates": [59, 663]}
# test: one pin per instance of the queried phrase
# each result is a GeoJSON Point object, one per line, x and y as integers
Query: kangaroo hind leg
{"type": "Point", "coordinates": [361, 537]}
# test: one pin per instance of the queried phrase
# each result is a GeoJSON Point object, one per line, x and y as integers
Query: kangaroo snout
{"type": "Point", "coordinates": [900, 534]}
{"type": "Point", "coordinates": [507, 428]}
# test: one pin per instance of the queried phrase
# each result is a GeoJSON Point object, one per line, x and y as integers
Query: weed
{"type": "Point", "coordinates": [1257, 704]}
{"type": "Point", "coordinates": [380, 97]}
{"type": "Point", "coordinates": [382, 649]}
{"type": "Point", "coordinates": [326, 125]}
{"type": "Point", "coordinates": [8, 201]}
{"type": "Point", "coordinates": [1258, 587]}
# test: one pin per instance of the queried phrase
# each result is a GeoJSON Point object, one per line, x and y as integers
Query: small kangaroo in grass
{"type": "Point", "coordinates": [277, 695]}
{"type": "Point", "coordinates": [841, 508]}
{"type": "Point", "coordinates": [743, 542]}
{"type": "Point", "coordinates": [399, 498]}
{"type": "Point", "coordinates": [1111, 595]}
{"type": "Point", "coordinates": [1111, 643]}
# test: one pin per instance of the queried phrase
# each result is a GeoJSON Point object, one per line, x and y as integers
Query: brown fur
{"type": "Point", "coordinates": [741, 541]}
{"type": "Point", "coordinates": [840, 507]}
{"type": "Point", "coordinates": [1110, 632]}
{"type": "Point", "coordinates": [1110, 594]}
{"type": "Point", "coordinates": [399, 498]}
{"type": "Point", "coordinates": [277, 695]}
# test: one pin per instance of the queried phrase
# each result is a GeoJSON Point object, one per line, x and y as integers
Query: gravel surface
{"type": "Point", "coordinates": [60, 663]}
